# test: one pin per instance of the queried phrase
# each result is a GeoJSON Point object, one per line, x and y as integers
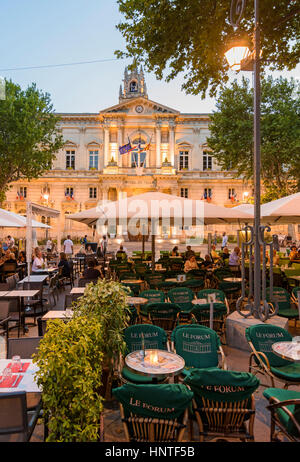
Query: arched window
{"type": "Point", "coordinates": [138, 156]}
{"type": "Point", "coordinates": [133, 87]}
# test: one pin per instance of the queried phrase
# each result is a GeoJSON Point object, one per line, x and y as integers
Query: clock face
{"type": "Point", "coordinates": [139, 109]}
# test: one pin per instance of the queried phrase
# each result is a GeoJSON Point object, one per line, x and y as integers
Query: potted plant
{"type": "Point", "coordinates": [107, 302]}
{"type": "Point", "coordinates": [70, 366]}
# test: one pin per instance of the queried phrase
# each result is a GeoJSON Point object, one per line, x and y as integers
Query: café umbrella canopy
{"type": "Point", "coordinates": [13, 220]}
{"type": "Point", "coordinates": [149, 210]}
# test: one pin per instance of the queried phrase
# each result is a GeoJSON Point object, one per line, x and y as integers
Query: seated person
{"type": "Point", "coordinates": [38, 262]}
{"type": "Point", "coordinates": [225, 255]}
{"type": "Point", "coordinates": [121, 252]}
{"type": "Point", "coordinates": [91, 272]}
{"type": "Point", "coordinates": [234, 258]}
{"type": "Point", "coordinates": [214, 254]}
{"type": "Point", "coordinates": [82, 250]}
{"type": "Point", "coordinates": [175, 252]}
{"type": "Point", "coordinates": [63, 262]}
{"type": "Point", "coordinates": [207, 263]}
{"type": "Point", "coordinates": [22, 257]}
{"type": "Point", "coordinates": [89, 251]}
{"type": "Point", "coordinates": [191, 264]}
{"type": "Point", "coordinates": [189, 252]}
{"type": "Point", "coordinates": [11, 258]}
{"type": "Point", "coordinates": [294, 255]}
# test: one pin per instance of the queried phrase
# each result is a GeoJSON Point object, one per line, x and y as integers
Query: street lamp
{"type": "Point", "coordinates": [251, 62]}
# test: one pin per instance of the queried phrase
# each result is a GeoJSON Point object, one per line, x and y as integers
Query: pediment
{"type": "Point", "coordinates": [132, 106]}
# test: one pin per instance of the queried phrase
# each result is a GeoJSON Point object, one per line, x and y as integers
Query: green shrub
{"type": "Point", "coordinates": [70, 367]}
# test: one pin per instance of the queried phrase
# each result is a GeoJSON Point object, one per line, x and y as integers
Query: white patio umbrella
{"type": "Point", "coordinates": [155, 208]}
{"type": "Point", "coordinates": [13, 220]}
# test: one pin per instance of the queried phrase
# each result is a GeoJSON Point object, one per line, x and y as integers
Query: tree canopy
{"type": "Point", "coordinates": [29, 134]}
{"type": "Point", "coordinates": [191, 36]}
{"type": "Point", "coordinates": [231, 134]}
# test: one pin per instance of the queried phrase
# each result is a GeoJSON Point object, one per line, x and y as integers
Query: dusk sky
{"type": "Point", "coordinates": [45, 32]}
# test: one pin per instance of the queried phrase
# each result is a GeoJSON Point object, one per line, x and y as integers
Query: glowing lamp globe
{"type": "Point", "coordinates": [236, 55]}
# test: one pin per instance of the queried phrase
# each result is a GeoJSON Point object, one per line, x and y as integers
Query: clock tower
{"type": "Point", "coordinates": [134, 85]}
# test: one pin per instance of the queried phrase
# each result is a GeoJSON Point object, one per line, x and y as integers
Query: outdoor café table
{"type": "Point", "coordinates": [2, 294]}
{"type": "Point", "coordinates": [66, 314]}
{"type": "Point", "coordinates": [21, 294]}
{"type": "Point", "coordinates": [157, 364]}
{"type": "Point", "coordinates": [77, 290]}
{"type": "Point", "coordinates": [287, 350]}
{"type": "Point", "coordinates": [49, 271]}
{"type": "Point", "coordinates": [137, 301]}
{"type": "Point", "coordinates": [133, 281]}
{"type": "Point", "coordinates": [295, 278]}
{"type": "Point", "coordinates": [22, 380]}
{"type": "Point", "coordinates": [233, 279]}
{"type": "Point", "coordinates": [33, 278]}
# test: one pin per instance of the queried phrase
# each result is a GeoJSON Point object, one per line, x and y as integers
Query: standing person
{"type": "Point", "coordinates": [68, 247]}
{"type": "Point", "coordinates": [215, 239]}
{"type": "Point", "coordinates": [224, 240]}
{"type": "Point", "coordinates": [49, 245]}
{"type": "Point", "coordinates": [103, 247]}
{"type": "Point", "coordinates": [10, 242]}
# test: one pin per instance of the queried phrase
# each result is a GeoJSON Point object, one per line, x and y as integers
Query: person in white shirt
{"type": "Point", "coordinates": [38, 261]}
{"type": "Point", "coordinates": [10, 242]}
{"type": "Point", "coordinates": [224, 240]}
{"type": "Point", "coordinates": [68, 246]}
{"type": "Point", "coordinates": [49, 245]}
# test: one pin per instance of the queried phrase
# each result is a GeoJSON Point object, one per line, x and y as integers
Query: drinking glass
{"type": "Point", "coordinates": [5, 374]}
{"type": "Point", "coordinates": [16, 360]}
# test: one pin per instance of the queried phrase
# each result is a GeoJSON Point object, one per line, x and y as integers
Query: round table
{"type": "Point", "coordinates": [233, 279]}
{"type": "Point", "coordinates": [287, 350]}
{"type": "Point", "coordinates": [157, 364]}
{"type": "Point", "coordinates": [137, 301]}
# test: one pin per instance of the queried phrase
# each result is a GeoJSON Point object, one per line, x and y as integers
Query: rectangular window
{"type": "Point", "coordinates": [207, 161]}
{"type": "Point", "coordinates": [93, 160]}
{"type": "Point", "coordinates": [69, 192]}
{"type": "Point", "coordinates": [93, 193]}
{"type": "Point", "coordinates": [184, 192]}
{"type": "Point", "coordinates": [70, 160]}
{"type": "Point", "coordinates": [22, 193]}
{"type": "Point", "coordinates": [183, 160]}
{"type": "Point", "coordinates": [231, 193]}
{"type": "Point", "coordinates": [207, 194]}
{"type": "Point", "coordinates": [135, 159]}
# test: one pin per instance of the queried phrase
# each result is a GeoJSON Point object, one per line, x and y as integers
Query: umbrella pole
{"type": "Point", "coordinates": [153, 252]}
{"type": "Point", "coordinates": [143, 246]}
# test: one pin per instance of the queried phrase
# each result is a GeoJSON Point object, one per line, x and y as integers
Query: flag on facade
{"type": "Point", "coordinates": [126, 148]}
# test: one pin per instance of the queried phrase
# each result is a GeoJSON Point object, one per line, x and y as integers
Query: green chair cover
{"type": "Point", "coordinates": [284, 302]}
{"type": "Point", "coordinates": [154, 279]}
{"type": "Point", "coordinates": [183, 297]}
{"type": "Point", "coordinates": [198, 346]}
{"type": "Point", "coordinates": [284, 395]}
{"type": "Point", "coordinates": [263, 336]}
{"type": "Point", "coordinates": [155, 338]}
{"type": "Point", "coordinates": [163, 310]}
{"type": "Point", "coordinates": [295, 291]}
{"type": "Point", "coordinates": [154, 296]}
{"type": "Point", "coordinates": [166, 401]}
{"type": "Point", "coordinates": [193, 283]}
{"type": "Point", "coordinates": [220, 385]}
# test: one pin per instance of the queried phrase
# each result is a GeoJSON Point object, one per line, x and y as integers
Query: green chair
{"type": "Point", "coordinates": [141, 270]}
{"type": "Point", "coordinates": [284, 406]}
{"type": "Point", "coordinates": [153, 296]}
{"type": "Point", "coordinates": [201, 313]}
{"type": "Point", "coordinates": [289, 273]}
{"type": "Point", "coordinates": [199, 346]}
{"type": "Point", "coordinates": [294, 295]}
{"type": "Point", "coordinates": [164, 315]}
{"type": "Point", "coordinates": [154, 413]}
{"type": "Point", "coordinates": [155, 338]}
{"type": "Point", "coordinates": [154, 279]}
{"type": "Point", "coordinates": [223, 403]}
{"type": "Point", "coordinates": [194, 284]}
{"type": "Point", "coordinates": [262, 360]}
{"type": "Point", "coordinates": [183, 297]}
{"type": "Point", "coordinates": [284, 303]}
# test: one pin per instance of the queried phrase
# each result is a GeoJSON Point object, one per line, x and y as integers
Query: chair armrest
{"type": "Point", "coordinates": [223, 359]}
{"type": "Point", "coordinates": [3, 321]}
{"type": "Point", "coordinates": [276, 404]}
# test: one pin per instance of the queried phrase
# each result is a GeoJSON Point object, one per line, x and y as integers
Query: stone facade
{"type": "Point", "coordinates": [89, 168]}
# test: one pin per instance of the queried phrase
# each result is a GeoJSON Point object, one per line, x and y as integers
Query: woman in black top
{"type": "Point", "coordinates": [65, 265]}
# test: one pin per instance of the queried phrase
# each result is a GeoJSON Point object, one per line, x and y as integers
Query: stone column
{"type": "Point", "coordinates": [120, 143]}
{"type": "Point", "coordinates": [172, 143]}
{"type": "Point", "coordinates": [158, 145]}
{"type": "Point", "coordinates": [106, 145]}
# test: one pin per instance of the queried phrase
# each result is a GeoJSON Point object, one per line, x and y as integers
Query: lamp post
{"type": "Point", "coordinates": [46, 197]}
{"type": "Point", "coordinates": [240, 58]}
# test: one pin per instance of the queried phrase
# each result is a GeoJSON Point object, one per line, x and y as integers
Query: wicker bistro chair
{"type": "Point", "coordinates": [154, 280]}
{"type": "Point", "coordinates": [164, 315]}
{"type": "Point", "coordinates": [263, 361]}
{"type": "Point", "coordinates": [201, 313]}
{"type": "Point", "coordinates": [285, 305]}
{"type": "Point", "coordinates": [294, 295]}
{"type": "Point", "coordinates": [17, 421]}
{"type": "Point", "coordinates": [152, 337]}
{"type": "Point", "coordinates": [223, 403]}
{"type": "Point", "coordinates": [154, 413]}
{"type": "Point", "coordinates": [153, 296]}
{"type": "Point", "coordinates": [284, 406]}
{"type": "Point", "coordinates": [199, 346]}
{"type": "Point", "coordinates": [183, 297]}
